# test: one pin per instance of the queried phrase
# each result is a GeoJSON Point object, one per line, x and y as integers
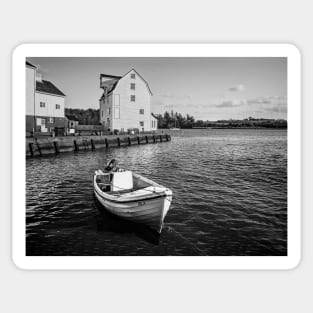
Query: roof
{"type": "Point", "coordinates": [47, 87]}
{"type": "Point", "coordinates": [154, 116]}
{"type": "Point", "coordinates": [72, 117]}
{"type": "Point", "coordinates": [116, 79]}
{"type": "Point", "coordinates": [31, 65]}
{"type": "Point", "coordinates": [110, 76]}
{"type": "Point", "coordinates": [111, 84]}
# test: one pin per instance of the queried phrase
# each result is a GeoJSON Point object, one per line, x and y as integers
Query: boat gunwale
{"type": "Point", "coordinates": [120, 199]}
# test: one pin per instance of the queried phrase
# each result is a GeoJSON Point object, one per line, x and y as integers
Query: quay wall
{"type": "Point", "coordinates": [54, 145]}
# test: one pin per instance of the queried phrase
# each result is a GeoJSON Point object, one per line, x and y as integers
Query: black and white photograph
{"type": "Point", "coordinates": [156, 156]}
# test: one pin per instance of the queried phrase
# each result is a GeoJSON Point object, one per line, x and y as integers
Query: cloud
{"type": "Point", "coordinates": [274, 100]}
{"type": "Point", "coordinates": [259, 100]}
{"type": "Point", "coordinates": [231, 103]}
{"type": "Point", "coordinates": [238, 88]}
{"type": "Point", "coordinates": [277, 109]}
{"type": "Point", "coordinates": [225, 104]}
{"type": "Point", "coordinates": [271, 104]}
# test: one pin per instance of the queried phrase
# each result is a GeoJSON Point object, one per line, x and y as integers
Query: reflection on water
{"type": "Point", "coordinates": [230, 198]}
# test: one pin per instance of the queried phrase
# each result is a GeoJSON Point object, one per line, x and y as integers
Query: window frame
{"type": "Point", "coordinates": [117, 113]}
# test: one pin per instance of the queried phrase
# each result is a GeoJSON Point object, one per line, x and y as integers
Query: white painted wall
{"type": "Point", "coordinates": [30, 90]}
{"type": "Point", "coordinates": [50, 105]}
{"type": "Point", "coordinates": [129, 116]}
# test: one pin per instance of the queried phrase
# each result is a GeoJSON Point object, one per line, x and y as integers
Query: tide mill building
{"type": "Point", "coordinates": [126, 102]}
{"type": "Point", "coordinates": [44, 103]}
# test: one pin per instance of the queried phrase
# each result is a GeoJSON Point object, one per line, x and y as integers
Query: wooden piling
{"type": "Point", "coordinates": [92, 144]}
{"type": "Point", "coordinates": [76, 146]}
{"type": "Point", "coordinates": [56, 148]}
{"type": "Point", "coordinates": [31, 149]}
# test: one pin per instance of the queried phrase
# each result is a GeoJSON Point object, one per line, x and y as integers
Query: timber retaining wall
{"type": "Point", "coordinates": [54, 145]}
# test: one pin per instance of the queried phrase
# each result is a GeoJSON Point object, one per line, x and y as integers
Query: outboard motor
{"type": "Point", "coordinates": [111, 166]}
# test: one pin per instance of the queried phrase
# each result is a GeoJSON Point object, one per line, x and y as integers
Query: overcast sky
{"type": "Point", "coordinates": [207, 88]}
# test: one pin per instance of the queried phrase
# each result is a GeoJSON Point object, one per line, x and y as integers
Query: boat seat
{"type": "Point", "coordinates": [122, 181]}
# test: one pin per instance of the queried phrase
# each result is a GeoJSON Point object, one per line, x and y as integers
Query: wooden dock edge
{"type": "Point", "coordinates": [55, 145]}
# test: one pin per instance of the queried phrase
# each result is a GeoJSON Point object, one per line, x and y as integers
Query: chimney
{"type": "Point", "coordinates": [38, 77]}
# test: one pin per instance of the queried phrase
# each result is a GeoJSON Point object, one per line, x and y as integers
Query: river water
{"type": "Point", "coordinates": [229, 187]}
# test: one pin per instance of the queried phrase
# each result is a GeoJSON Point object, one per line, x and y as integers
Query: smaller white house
{"type": "Point", "coordinates": [154, 122]}
{"type": "Point", "coordinates": [45, 103]}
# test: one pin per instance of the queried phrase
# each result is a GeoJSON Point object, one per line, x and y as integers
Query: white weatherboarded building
{"type": "Point", "coordinates": [126, 103]}
{"type": "Point", "coordinates": [44, 103]}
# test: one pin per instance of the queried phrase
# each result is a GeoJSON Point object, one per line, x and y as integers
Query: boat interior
{"type": "Point", "coordinates": [120, 182]}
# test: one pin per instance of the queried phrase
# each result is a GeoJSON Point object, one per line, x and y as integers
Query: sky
{"type": "Point", "coordinates": [206, 88]}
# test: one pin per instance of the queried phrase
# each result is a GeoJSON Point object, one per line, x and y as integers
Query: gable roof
{"type": "Point", "coordinates": [110, 76]}
{"type": "Point", "coordinates": [47, 87]}
{"type": "Point", "coordinates": [31, 65]}
{"type": "Point", "coordinates": [141, 78]}
{"type": "Point", "coordinates": [115, 80]}
{"type": "Point", "coordinates": [111, 83]}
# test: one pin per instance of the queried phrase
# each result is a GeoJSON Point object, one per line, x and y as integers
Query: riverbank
{"type": "Point", "coordinates": [54, 145]}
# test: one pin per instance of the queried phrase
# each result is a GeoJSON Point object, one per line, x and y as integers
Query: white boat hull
{"type": "Point", "coordinates": [150, 210]}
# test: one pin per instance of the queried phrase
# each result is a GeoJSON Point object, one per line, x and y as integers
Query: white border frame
{"type": "Point", "coordinates": [157, 50]}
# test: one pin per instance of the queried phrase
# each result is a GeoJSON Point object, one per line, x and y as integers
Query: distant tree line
{"type": "Point", "coordinates": [174, 120]}
{"type": "Point", "coordinates": [85, 116]}
{"type": "Point", "coordinates": [177, 120]}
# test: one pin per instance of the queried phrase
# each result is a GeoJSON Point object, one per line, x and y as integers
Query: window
{"type": "Point", "coordinates": [42, 104]}
{"type": "Point", "coordinates": [102, 113]}
{"type": "Point", "coordinates": [109, 111]}
{"type": "Point", "coordinates": [116, 112]}
{"type": "Point", "coordinates": [141, 111]}
{"type": "Point", "coordinates": [141, 123]}
{"type": "Point", "coordinates": [57, 106]}
{"type": "Point", "coordinates": [133, 76]}
{"type": "Point", "coordinates": [132, 86]}
{"type": "Point", "coordinates": [50, 120]}
{"type": "Point", "coordinates": [133, 98]}
{"type": "Point", "coordinates": [43, 121]}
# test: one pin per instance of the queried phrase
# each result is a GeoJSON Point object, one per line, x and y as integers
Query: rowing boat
{"type": "Point", "coordinates": [132, 197]}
